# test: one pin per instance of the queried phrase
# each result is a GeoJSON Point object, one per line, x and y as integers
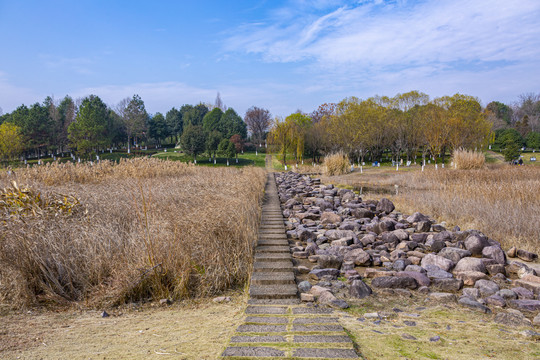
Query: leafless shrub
{"type": "Point", "coordinates": [336, 164]}
{"type": "Point", "coordinates": [468, 159]}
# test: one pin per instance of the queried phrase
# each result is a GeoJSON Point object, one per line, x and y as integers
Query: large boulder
{"type": "Point", "coordinates": [394, 282]}
{"type": "Point", "coordinates": [486, 287]}
{"type": "Point", "coordinates": [318, 274]}
{"type": "Point", "coordinates": [442, 262]}
{"type": "Point", "coordinates": [473, 304]}
{"type": "Point", "coordinates": [359, 256]}
{"type": "Point", "coordinates": [470, 264]}
{"type": "Point", "coordinates": [447, 285]}
{"type": "Point", "coordinates": [329, 217]}
{"type": "Point", "coordinates": [416, 217]}
{"type": "Point", "coordinates": [420, 278]}
{"type": "Point", "coordinates": [470, 277]}
{"type": "Point", "coordinates": [496, 253]}
{"type": "Point", "coordinates": [385, 206]}
{"type": "Point", "coordinates": [339, 234]}
{"type": "Point", "coordinates": [330, 261]}
{"type": "Point", "coordinates": [476, 243]}
{"type": "Point", "coordinates": [361, 213]}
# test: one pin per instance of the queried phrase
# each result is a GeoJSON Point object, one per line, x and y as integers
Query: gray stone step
{"type": "Point", "coordinates": [325, 353]}
{"type": "Point", "coordinates": [276, 236]}
{"type": "Point", "coordinates": [265, 266]}
{"type": "Point", "coordinates": [316, 328]}
{"type": "Point", "coordinates": [273, 249]}
{"type": "Point", "coordinates": [274, 301]}
{"type": "Point", "coordinates": [277, 257]}
{"type": "Point", "coordinates": [257, 328]}
{"type": "Point", "coordinates": [249, 351]}
{"type": "Point", "coordinates": [322, 339]}
{"type": "Point", "coordinates": [273, 242]}
{"type": "Point", "coordinates": [288, 291]}
{"type": "Point", "coordinates": [272, 278]}
{"type": "Point", "coordinates": [259, 339]}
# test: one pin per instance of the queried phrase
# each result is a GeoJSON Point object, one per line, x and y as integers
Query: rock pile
{"type": "Point", "coordinates": [338, 236]}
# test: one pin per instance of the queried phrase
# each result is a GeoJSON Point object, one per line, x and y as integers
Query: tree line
{"type": "Point", "coordinates": [406, 125]}
{"type": "Point", "coordinates": [87, 126]}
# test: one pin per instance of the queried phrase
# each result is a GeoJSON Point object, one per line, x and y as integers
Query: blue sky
{"type": "Point", "coordinates": [281, 55]}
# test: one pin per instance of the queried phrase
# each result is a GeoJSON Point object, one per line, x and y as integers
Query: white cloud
{"type": "Point", "coordinates": [12, 96]}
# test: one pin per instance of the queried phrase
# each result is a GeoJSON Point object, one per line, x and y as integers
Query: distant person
{"type": "Point", "coordinates": [520, 162]}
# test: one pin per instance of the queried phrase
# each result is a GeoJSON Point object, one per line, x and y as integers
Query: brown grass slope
{"type": "Point", "coordinates": [144, 228]}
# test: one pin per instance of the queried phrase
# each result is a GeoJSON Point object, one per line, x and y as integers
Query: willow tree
{"type": "Point", "coordinates": [281, 137]}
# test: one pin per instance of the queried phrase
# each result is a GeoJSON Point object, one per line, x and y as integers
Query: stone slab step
{"type": "Point", "coordinates": [288, 291]}
{"type": "Point", "coordinates": [273, 249]}
{"type": "Point", "coordinates": [281, 236]}
{"type": "Point", "coordinates": [259, 339]}
{"type": "Point", "coordinates": [316, 320]}
{"type": "Point", "coordinates": [272, 278]}
{"type": "Point", "coordinates": [317, 328]}
{"type": "Point", "coordinates": [266, 310]}
{"type": "Point", "coordinates": [272, 257]}
{"type": "Point", "coordinates": [257, 328]}
{"type": "Point", "coordinates": [252, 351]}
{"type": "Point", "coordinates": [325, 353]}
{"type": "Point", "coordinates": [273, 242]}
{"type": "Point", "coordinates": [322, 339]}
{"type": "Point", "coordinates": [270, 320]}
{"type": "Point", "coordinates": [274, 301]}
{"type": "Point", "coordinates": [265, 266]}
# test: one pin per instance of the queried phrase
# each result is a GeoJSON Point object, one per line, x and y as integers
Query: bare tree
{"type": "Point", "coordinates": [219, 103]}
{"type": "Point", "coordinates": [258, 121]}
{"type": "Point", "coordinates": [133, 115]}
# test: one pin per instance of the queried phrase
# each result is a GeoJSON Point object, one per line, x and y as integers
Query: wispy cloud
{"type": "Point", "coordinates": [369, 40]}
{"type": "Point", "coordinates": [80, 65]}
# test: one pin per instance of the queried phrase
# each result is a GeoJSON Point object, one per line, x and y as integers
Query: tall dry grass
{"type": "Point", "coordinates": [336, 164]}
{"type": "Point", "coordinates": [501, 201]}
{"type": "Point", "coordinates": [145, 228]}
{"type": "Point", "coordinates": [468, 159]}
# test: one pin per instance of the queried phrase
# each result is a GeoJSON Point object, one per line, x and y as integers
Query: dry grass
{"type": "Point", "coordinates": [468, 159]}
{"type": "Point", "coordinates": [336, 164]}
{"type": "Point", "coordinates": [148, 229]}
{"type": "Point", "coordinates": [502, 201]}
{"type": "Point", "coordinates": [187, 330]}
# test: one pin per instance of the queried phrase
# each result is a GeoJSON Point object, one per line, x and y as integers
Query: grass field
{"type": "Point", "coordinates": [245, 159]}
{"type": "Point", "coordinates": [141, 229]}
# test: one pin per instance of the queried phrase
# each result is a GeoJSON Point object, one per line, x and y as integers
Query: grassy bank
{"type": "Point", "coordinates": [142, 229]}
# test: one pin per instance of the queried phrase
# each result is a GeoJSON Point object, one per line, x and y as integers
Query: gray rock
{"type": "Point", "coordinates": [447, 285]}
{"type": "Point", "coordinates": [496, 253]}
{"type": "Point", "coordinates": [507, 294]}
{"type": "Point", "coordinates": [318, 274]}
{"type": "Point", "coordinates": [442, 297]}
{"type": "Point", "coordinates": [470, 264]}
{"type": "Point", "coordinates": [476, 243]}
{"type": "Point", "coordinates": [329, 261]}
{"type": "Point", "coordinates": [434, 271]}
{"type": "Point", "coordinates": [486, 287]}
{"type": "Point", "coordinates": [394, 282]}
{"type": "Point", "coordinates": [472, 293]}
{"type": "Point", "coordinates": [473, 304]}
{"type": "Point", "coordinates": [407, 336]}
{"type": "Point", "coordinates": [416, 217]}
{"type": "Point", "coordinates": [522, 293]}
{"type": "Point", "coordinates": [496, 269]}
{"type": "Point", "coordinates": [454, 254]}
{"type": "Point", "coordinates": [512, 318]}
{"type": "Point", "coordinates": [304, 286]}
{"type": "Point", "coordinates": [526, 255]}
{"type": "Point", "coordinates": [525, 305]}
{"type": "Point", "coordinates": [400, 264]}
{"type": "Point", "coordinates": [496, 300]}
{"type": "Point", "coordinates": [420, 278]}
{"type": "Point", "coordinates": [329, 217]}
{"type": "Point", "coordinates": [423, 226]}
{"type": "Point", "coordinates": [385, 206]}
{"type": "Point", "coordinates": [536, 320]}
{"type": "Point", "coordinates": [362, 213]}
{"type": "Point", "coordinates": [442, 262]}
{"type": "Point", "coordinates": [359, 289]}
{"type": "Point", "coordinates": [415, 268]}
{"type": "Point", "coordinates": [359, 256]}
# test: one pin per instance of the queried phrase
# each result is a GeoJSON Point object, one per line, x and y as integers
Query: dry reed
{"type": "Point", "coordinates": [468, 159]}
{"type": "Point", "coordinates": [336, 164]}
{"type": "Point", "coordinates": [501, 201]}
{"type": "Point", "coordinates": [150, 229]}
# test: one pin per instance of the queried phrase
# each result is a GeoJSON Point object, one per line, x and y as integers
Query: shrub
{"type": "Point", "coordinates": [468, 159]}
{"type": "Point", "coordinates": [336, 164]}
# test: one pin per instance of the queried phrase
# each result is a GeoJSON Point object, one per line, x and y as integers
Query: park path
{"type": "Point", "coordinates": [276, 324]}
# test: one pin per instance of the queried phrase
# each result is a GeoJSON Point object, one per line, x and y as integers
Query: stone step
{"type": "Point", "coordinates": [317, 328]}
{"type": "Point", "coordinates": [277, 257]}
{"type": "Point", "coordinates": [272, 236]}
{"type": "Point", "coordinates": [321, 339]}
{"type": "Point", "coordinates": [271, 232]}
{"type": "Point", "coordinates": [258, 339]}
{"type": "Point", "coordinates": [273, 249]}
{"type": "Point", "coordinates": [274, 292]}
{"type": "Point", "coordinates": [325, 353]}
{"type": "Point", "coordinates": [272, 278]}
{"type": "Point", "coordinates": [257, 328]}
{"type": "Point", "coordinates": [274, 301]}
{"type": "Point", "coordinates": [266, 310]}
{"type": "Point", "coordinates": [273, 242]}
{"type": "Point", "coordinates": [252, 351]}
{"type": "Point", "coordinates": [274, 266]}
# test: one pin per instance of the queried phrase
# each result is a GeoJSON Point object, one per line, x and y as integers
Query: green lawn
{"type": "Point", "coordinates": [245, 159]}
